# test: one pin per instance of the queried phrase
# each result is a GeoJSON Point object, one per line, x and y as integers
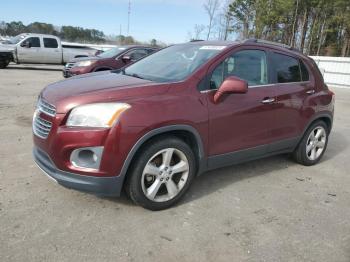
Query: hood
{"type": "Point", "coordinates": [7, 48]}
{"type": "Point", "coordinates": [97, 87]}
{"type": "Point", "coordinates": [88, 58]}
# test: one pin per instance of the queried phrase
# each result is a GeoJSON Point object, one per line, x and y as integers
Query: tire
{"type": "Point", "coordinates": [4, 64]}
{"type": "Point", "coordinates": [313, 144]}
{"type": "Point", "coordinates": [153, 181]}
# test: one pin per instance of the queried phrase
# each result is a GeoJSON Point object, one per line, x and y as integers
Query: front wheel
{"type": "Point", "coordinates": [4, 64]}
{"type": "Point", "coordinates": [313, 145]}
{"type": "Point", "coordinates": [161, 173]}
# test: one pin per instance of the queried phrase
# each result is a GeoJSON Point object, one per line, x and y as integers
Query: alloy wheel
{"type": "Point", "coordinates": [165, 175]}
{"type": "Point", "coordinates": [316, 143]}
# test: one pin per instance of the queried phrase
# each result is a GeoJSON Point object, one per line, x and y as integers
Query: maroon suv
{"type": "Point", "coordinates": [153, 126]}
{"type": "Point", "coordinates": [114, 58]}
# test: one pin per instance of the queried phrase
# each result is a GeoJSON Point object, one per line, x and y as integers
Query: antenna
{"type": "Point", "coordinates": [129, 10]}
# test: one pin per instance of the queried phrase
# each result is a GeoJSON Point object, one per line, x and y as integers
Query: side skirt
{"type": "Point", "coordinates": [245, 155]}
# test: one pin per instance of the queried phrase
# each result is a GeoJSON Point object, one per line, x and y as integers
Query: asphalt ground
{"type": "Point", "coordinates": [266, 210]}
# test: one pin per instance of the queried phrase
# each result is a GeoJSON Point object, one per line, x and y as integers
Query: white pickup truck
{"type": "Point", "coordinates": [40, 49]}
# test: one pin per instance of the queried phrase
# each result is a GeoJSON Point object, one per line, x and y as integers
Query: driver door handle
{"type": "Point", "coordinates": [268, 100]}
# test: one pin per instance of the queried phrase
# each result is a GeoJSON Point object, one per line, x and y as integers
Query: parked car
{"type": "Point", "coordinates": [114, 58]}
{"type": "Point", "coordinates": [40, 49]}
{"type": "Point", "coordinates": [152, 127]}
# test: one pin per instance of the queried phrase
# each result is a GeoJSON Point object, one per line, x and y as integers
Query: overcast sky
{"type": "Point", "coordinates": [165, 20]}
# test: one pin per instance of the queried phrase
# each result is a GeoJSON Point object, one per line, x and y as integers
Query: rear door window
{"type": "Point", "coordinates": [286, 68]}
{"type": "Point", "coordinates": [50, 43]}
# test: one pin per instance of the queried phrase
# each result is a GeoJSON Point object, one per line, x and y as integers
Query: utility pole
{"type": "Point", "coordinates": [129, 9]}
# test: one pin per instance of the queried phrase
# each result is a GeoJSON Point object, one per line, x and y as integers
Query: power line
{"type": "Point", "coordinates": [129, 11]}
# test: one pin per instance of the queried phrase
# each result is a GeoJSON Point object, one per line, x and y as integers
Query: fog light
{"type": "Point", "coordinates": [87, 157]}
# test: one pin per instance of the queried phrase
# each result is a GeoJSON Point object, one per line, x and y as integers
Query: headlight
{"type": "Point", "coordinates": [96, 115]}
{"type": "Point", "coordinates": [84, 63]}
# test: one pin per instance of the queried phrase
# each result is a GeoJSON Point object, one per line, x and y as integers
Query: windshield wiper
{"type": "Point", "coordinates": [118, 71]}
{"type": "Point", "coordinates": [133, 75]}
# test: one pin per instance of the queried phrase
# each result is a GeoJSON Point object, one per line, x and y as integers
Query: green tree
{"type": "Point", "coordinates": [15, 28]}
{"type": "Point", "coordinates": [314, 26]}
{"type": "Point", "coordinates": [154, 42]}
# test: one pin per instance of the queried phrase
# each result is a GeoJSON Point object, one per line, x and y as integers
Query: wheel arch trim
{"type": "Point", "coordinates": [105, 68]}
{"type": "Point", "coordinates": [319, 116]}
{"type": "Point", "coordinates": [316, 117]}
{"type": "Point", "coordinates": [162, 130]}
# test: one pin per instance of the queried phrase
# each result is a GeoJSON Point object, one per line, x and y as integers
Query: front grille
{"type": "Point", "coordinates": [41, 127]}
{"type": "Point", "coordinates": [46, 108]}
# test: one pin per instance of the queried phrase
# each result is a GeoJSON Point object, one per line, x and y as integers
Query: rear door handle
{"type": "Point", "coordinates": [310, 92]}
{"type": "Point", "coordinates": [268, 100]}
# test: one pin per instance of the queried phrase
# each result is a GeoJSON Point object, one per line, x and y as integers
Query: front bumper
{"type": "Point", "coordinates": [66, 73]}
{"type": "Point", "coordinates": [104, 186]}
{"type": "Point", "coordinates": [73, 71]}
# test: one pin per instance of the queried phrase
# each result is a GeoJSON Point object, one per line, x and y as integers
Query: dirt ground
{"type": "Point", "coordinates": [266, 210]}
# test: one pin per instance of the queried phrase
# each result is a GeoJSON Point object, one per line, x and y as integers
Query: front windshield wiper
{"type": "Point", "coordinates": [118, 71]}
{"type": "Point", "coordinates": [133, 75]}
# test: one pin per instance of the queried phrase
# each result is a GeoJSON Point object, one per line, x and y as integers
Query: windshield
{"type": "Point", "coordinates": [174, 63]}
{"type": "Point", "coordinates": [112, 52]}
{"type": "Point", "coordinates": [14, 40]}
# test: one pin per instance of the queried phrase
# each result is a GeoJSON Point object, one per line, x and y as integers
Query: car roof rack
{"type": "Point", "coordinates": [261, 41]}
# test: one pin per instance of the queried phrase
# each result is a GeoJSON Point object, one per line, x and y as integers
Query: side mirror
{"type": "Point", "coordinates": [231, 85]}
{"type": "Point", "coordinates": [126, 58]}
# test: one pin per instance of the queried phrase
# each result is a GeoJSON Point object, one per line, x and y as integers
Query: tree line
{"type": "Point", "coordinates": [316, 27]}
{"type": "Point", "coordinates": [68, 33]}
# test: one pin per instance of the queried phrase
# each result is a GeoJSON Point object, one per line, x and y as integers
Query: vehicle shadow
{"type": "Point", "coordinates": [336, 145]}
{"type": "Point", "coordinates": [34, 68]}
{"type": "Point", "coordinates": [215, 180]}
{"type": "Point", "coordinates": [212, 181]}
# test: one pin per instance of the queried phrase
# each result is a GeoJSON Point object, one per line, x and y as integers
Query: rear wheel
{"type": "Point", "coordinates": [161, 173]}
{"type": "Point", "coordinates": [313, 145]}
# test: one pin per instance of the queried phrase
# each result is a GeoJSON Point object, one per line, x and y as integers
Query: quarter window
{"type": "Point", "coordinates": [249, 65]}
{"type": "Point", "coordinates": [50, 43]}
{"type": "Point", "coordinates": [286, 68]}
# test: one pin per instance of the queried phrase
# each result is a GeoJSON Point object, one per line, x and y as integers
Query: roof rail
{"type": "Point", "coordinates": [261, 41]}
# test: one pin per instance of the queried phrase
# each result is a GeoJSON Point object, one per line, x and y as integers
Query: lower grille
{"type": "Point", "coordinates": [41, 127]}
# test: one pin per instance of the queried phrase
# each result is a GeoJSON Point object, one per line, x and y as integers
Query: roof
{"type": "Point", "coordinates": [257, 42]}
{"type": "Point", "coordinates": [134, 46]}
{"type": "Point", "coordinates": [218, 43]}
